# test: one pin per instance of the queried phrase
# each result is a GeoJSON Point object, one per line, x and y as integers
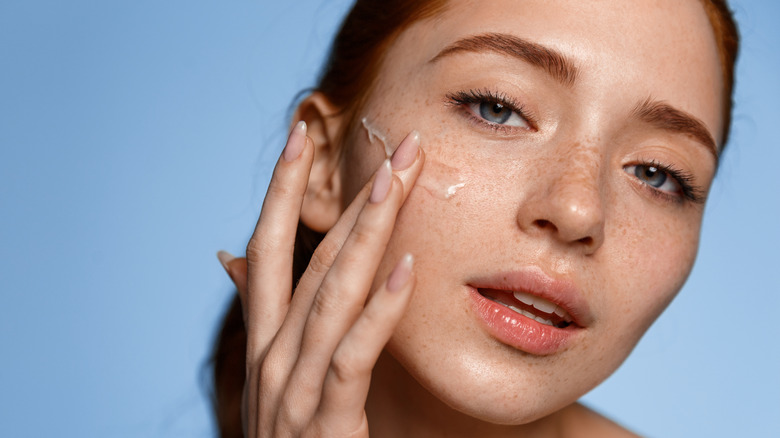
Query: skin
{"type": "Point", "coordinates": [554, 194]}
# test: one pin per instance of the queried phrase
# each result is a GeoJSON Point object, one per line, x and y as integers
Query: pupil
{"type": "Point", "coordinates": [651, 175]}
{"type": "Point", "coordinates": [494, 112]}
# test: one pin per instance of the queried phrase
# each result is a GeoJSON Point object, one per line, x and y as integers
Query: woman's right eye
{"type": "Point", "coordinates": [498, 113]}
{"type": "Point", "coordinates": [493, 109]}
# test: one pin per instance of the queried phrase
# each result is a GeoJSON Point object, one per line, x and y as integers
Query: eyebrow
{"type": "Point", "coordinates": [655, 113]}
{"type": "Point", "coordinates": [552, 61]}
{"type": "Point", "coordinates": [668, 118]}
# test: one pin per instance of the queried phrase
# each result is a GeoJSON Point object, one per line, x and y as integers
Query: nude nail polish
{"type": "Point", "coordinates": [382, 182]}
{"type": "Point", "coordinates": [405, 154]}
{"type": "Point", "coordinates": [225, 258]}
{"type": "Point", "coordinates": [401, 273]}
{"type": "Point", "coordinates": [295, 142]}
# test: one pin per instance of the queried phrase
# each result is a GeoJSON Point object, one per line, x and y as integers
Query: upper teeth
{"type": "Point", "coordinates": [541, 304]}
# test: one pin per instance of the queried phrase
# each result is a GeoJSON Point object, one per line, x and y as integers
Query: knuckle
{"type": "Point", "coordinates": [289, 417]}
{"type": "Point", "coordinates": [271, 376]}
{"type": "Point", "coordinates": [325, 301]}
{"type": "Point", "coordinates": [374, 318]}
{"type": "Point", "coordinates": [322, 258]}
{"type": "Point", "coordinates": [257, 247]}
{"type": "Point", "coordinates": [316, 429]}
{"type": "Point", "coordinates": [279, 190]}
{"type": "Point", "coordinates": [346, 366]}
{"type": "Point", "coordinates": [362, 236]}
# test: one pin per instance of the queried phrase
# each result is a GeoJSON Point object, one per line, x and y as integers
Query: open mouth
{"type": "Point", "coordinates": [530, 306]}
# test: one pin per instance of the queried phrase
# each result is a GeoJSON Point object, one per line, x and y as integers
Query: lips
{"type": "Point", "coordinates": [529, 310]}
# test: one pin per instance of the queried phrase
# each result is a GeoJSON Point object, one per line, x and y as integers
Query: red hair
{"type": "Point", "coordinates": [727, 39]}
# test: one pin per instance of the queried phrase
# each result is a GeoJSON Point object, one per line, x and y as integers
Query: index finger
{"type": "Point", "coordinates": [270, 250]}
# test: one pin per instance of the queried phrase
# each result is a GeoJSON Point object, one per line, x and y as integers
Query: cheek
{"type": "Point", "coordinates": [648, 263]}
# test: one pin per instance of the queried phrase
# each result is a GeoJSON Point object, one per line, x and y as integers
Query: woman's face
{"type": "Point", "coordinates": [568, 152]}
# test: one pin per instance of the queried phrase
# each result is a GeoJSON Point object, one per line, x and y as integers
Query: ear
{"type": "Point", "coordinates": [322, 203]}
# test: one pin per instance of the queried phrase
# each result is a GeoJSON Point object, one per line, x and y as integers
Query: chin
{"type": "Point", "coordinates": [493, 389]}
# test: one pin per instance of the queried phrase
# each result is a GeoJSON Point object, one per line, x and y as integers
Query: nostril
{"type": "Point", "coordinates": [586, 241]}
{"type": "Point", "coordinates": [543, 223]}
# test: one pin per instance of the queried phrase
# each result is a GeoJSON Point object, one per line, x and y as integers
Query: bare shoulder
{"type": "Point", "coordinates": [584, 422]}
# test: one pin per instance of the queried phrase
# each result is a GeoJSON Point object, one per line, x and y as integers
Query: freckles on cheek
{"type": "Point", "coordinates": [656, 255]}
{"type": "Point", "coordinates": [447, 172]}
{"type": "Point", "coordinates": [377, 135]}
{"type": "Point", "coordinates": [440, 180]}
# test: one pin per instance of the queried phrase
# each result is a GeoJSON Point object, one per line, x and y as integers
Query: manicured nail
{"type": "Point", "coordinates": [404, 156]}
{"type": "Point", "coordinates": [382, 182]}
{"type": "Point", "coordinates": [401, 273]}
{"type": "Point", "coordinates": [295, 142]}
{"type": "Point", "coordinates": [225, 258]}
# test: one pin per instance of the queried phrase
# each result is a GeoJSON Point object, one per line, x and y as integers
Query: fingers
{"type": "Point", "coordinates": [346, 384]}
{"type": "Point", "coordinates": [407, 163]}
{"type": "Point", "coordinates": [344, 287]}
{"type": "Point", "coordinates": [291, 332]}
{"type": "Point", "coordinates": [269, 260]}
{"type": "Point", "coordinates": [342, 292]}
{"type": "Point", "coordinates": [236, 269]}
{"type": "Point", "coordinates": [291, 342]}
{"type": "Point", "coordinates": [270, 250]}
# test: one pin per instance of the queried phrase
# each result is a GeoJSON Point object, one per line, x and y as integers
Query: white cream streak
{"type": "Point", "coordinates": [451, 190]}
{"type": "Point", "coordinates": [436, 178]}
{"type": "Point", "coordinates": [373, 133]}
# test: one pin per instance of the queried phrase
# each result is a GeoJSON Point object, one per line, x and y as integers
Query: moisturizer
{"type": "Point", "coordinates": [438, 179]}
{"type": "Point", "coordinates": [375, 134]}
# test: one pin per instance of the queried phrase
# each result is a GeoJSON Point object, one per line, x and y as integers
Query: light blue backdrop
{"type": "Point", "coordinates": [135, 141]}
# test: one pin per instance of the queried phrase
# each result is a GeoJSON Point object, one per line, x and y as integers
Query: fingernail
{"type": "Point", "coordinates": [295, 142]}
{"type": "Point", "coordinates": [382, 181]}
{"type": "Point", "coordinates": [404, 156]}
{"type": "Point", "coordinates": [225, 258]}
{"type": "Point", "coordinates": [401, 273]}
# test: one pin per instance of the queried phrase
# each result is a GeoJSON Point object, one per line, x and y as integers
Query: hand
{"type": "Point", "coordinates": [310, 354]}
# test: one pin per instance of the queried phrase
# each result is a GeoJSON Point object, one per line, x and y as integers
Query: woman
{"type": "Point", "coordinates": [512, 192]}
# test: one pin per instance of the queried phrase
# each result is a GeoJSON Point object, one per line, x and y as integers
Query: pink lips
{"type": "Point", "coordinates": [522, 332]}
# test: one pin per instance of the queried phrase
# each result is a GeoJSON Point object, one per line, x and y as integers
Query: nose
{"type": "Point", "coordinates": [566, 203]}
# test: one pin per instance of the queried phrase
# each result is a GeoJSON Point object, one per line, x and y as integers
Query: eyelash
{"type": "Point", "coordinates": [463, 99]}
{"type": "Point", "coordinates": [689, 191]}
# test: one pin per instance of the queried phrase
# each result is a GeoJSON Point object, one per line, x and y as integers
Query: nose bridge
{"type": "Point", "coordinates": [572, 207]}
{"type": "Point", "coordinates": [575, 177]}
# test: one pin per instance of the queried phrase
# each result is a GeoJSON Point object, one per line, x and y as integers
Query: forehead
{"type": "Point", "coordinates": [623, 50]}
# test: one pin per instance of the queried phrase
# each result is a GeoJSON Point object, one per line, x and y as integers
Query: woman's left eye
{"type": "Point", "coordinates": [656, 177]}
{"type": "Point", "coordinates": [498, 113]}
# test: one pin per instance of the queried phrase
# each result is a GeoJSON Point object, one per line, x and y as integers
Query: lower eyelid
{"type": "Point", "coordinates": [493, 126]}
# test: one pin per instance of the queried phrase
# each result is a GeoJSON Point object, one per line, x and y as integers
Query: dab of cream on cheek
{"type": "Point", "coordinates": [374, 135]}
{"type": "Point", "coordinates": [438, 179]}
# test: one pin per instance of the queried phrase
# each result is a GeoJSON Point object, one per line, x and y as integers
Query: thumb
{"type": "Point", "coordinates": [236, 269]}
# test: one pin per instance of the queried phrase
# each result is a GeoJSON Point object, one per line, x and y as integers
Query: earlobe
{"type": "Point", "coordinates": [322, 203]}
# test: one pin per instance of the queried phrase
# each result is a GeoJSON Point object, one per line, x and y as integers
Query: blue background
{"type": "Point", "coordinates": [135, 141]}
